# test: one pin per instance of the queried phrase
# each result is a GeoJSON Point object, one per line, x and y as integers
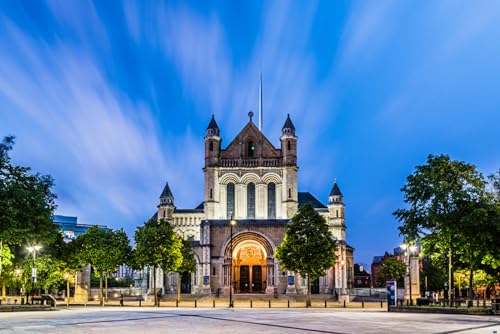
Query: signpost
{"type": "Point", "coordinates": [392, 294]}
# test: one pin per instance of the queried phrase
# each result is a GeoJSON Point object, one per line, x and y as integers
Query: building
{"type": "Point", "coordinates": [70, 228]}
{"type": "Point", "coordinates": [254, 183]}
{"type": "Point", "coordinates": [375, 270]}
{"type": "Point", "coordinates": [361, 277]}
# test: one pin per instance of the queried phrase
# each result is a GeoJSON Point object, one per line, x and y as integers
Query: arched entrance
{"type": "Point", "coordinates": [252, 263]}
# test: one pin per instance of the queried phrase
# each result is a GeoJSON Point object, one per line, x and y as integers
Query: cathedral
{"type": "Point", "coordinates": [250, 195]}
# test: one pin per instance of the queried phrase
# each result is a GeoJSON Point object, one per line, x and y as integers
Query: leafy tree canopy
{"type": "Point", "coordinates": [26, 203]}
{"type": "Point", "coordinates": [157, 245]}
{"type": "Point", "coordinates": [308, 247]}
{"type": "Point", "coordinates": [392, 270]}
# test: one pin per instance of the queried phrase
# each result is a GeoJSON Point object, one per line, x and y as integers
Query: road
{"type": "Point", "coordinates": [171, 320]}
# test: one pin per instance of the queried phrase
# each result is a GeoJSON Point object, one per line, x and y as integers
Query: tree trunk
{"type": "Point", "coordinates": [4, 291]}
{"type": "Point", "coordinates": [308, 290]}
{"type": "Point", "coordinates": [470, 293]}
{"type": "Point", "coordinates": [179, 288]}
{"type": "Point", "coordinates": [106, 284]}
{"type": "Point", "coordinates": [101, 300]}
{"type": "Point", "coordinates": [154, 286]}
{"type": "Point", "coordinates": [450, 279]}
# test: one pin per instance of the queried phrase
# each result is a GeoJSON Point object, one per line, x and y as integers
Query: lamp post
{"type": "Point", "coordinates": [232, 223]}
{"type": "Point", "coordinates": [33, 250]}
{"type": "Point", "coordinates": [67, 276]}
{"type": "Point", "coordinates": [410, 250]}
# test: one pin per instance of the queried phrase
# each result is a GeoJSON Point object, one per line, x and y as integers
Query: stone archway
{"type": "Point", "coordinates": [253, 267]}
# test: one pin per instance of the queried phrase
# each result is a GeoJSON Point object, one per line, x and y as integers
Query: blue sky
{"type": "Point", "coordinates": [112, 98]}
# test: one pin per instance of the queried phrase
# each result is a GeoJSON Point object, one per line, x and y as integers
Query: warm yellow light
{"type": "Point", "coordinates": [67, 275]}
{"type": "Point", "coordinates": [413, 248]}
{"type": "Point", "coordinates": [404, 246]}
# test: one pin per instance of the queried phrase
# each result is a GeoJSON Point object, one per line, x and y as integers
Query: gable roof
{"type": "Point", "coordinates": [250, 131]}
{"type": "Point", "coordinates": [307, 197]}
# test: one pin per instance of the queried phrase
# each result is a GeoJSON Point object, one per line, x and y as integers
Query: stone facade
{"type": "Point", "coordinates": [254, 185]}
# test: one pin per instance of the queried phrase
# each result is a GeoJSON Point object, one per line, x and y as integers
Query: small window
{"type": "Point", "coordinates": [251, 149]}
{"type": "Point", "coordinates": [211, 193]}
{"type": "Point", "coordinates": [213, 271]}
{"type": "Point", "coordinates": [211, 146]}
{"type": "Point", "coordinates": [288, 145]}
{"type": "Point", "coordinates": [289, 192]}
{"type": "Point", "coordinates": [337, 213]}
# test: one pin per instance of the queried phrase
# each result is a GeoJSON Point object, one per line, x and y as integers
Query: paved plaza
{"type": "Point", "coordinates": [170, 320]}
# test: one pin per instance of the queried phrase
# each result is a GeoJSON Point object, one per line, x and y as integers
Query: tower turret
{"type": "Point", "coordinates": [166, 207]}
{"type": "Point", "coordinates": [336, 212]}
{"type": "Point", "coordinates": [212, 143]}
{"type": "Point", "coordinates": [290, 194]}
{"type": "Point", "coordinates": [289, 143]}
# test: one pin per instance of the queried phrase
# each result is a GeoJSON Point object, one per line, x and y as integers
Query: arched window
{"type": "Point", "coordinates": [271, 201]}
{"type": "Point", "coordinates": [230, 200]}
{"type": "Point", "coordinates": [211, 146]}
{"type": "Point", "coordinates": [251, 201]}
{"type": "Point", "coordinates": [211, 193]}
{"type": "Point", "coordinates": [289, 146]}
{"type": "Point", "coordinates": [251, 149]}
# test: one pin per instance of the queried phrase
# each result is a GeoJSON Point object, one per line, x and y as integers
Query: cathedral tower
{"type": "Point", "coordinates": [336, 212]}
{"type": "Point", "coordinates": [212, 156]}
{"type": "Point", "coordinates": [289, 156]}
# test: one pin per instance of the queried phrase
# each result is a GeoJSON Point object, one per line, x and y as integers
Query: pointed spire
{"type": "Point", "coordinates": [166, 196]}
{"type": "Point", "coordinates": [213, 128]}
{"type": "Point", "coordinates": [288, 128]}
{"type": "Point", "coordinates": [335, 189]}
{"type": "Point", "coordinates": [260, 102]}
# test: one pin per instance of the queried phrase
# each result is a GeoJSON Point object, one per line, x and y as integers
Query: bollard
{"type": "Point", "coordinates": [288, 303]}
{"type": "Point", "coordinates": [195, 303]}
{"type": "Point", "coordinates": [176, 303]}
{"type": "Point", "coordinates": [325, 304]}
{"type": "Point", "coordinates": [251, 306]}
{"type": "Point", "coordinates": [362, 304]}
{"type": "Point", "coordinates": [213, 304]}
{"type": "Point", "coordinates": [140, 300]}
{"type": "Point", "coordinates": [381, 304]}
{"type": "Point", "coordinates": [269, 303]}
{"type": "Point", "coordinates": [344, 303]}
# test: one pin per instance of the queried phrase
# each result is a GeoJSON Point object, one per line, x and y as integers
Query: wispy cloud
{"type": "Point", "coordinates": [105, 143]}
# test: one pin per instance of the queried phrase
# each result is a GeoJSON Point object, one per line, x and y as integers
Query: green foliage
{"type": "Point", "coordinates": [392, 270]}
{"type": "Point", "coordinates": [434, 268]}
{"type": "Point", "coordinates": [450, 210]}
{"type": "Point", "coordinates": [308, 247]}
{"type": "Point", "coordinates": [157, 245]}
{"type": "Point", "coordinates": [103, 250]}
{"type": "Point", "coordinates": [188, 260]}
{"type": "Point", "coordinates": [50, 272]}
{"type": "Point", "coordinates": [6, 258]}
{"type": "Point", "coordinates": [26, 203]}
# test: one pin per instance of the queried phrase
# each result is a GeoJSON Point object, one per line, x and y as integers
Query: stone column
{"type": "Point", "coordinates": [414, 272]}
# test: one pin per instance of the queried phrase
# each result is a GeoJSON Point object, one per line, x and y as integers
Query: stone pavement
{"type": "Point", "coordinates": [189, 320]}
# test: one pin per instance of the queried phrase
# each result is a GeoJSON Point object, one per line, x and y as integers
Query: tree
{"type": "Point", "coordinates": [26, 207]}
{"type": "Point", "coordinates": [308, 247]}
{"type": "Point", "coordinates": [440, 195]}
{"type": "Point", "coordinates": [6, 257]}
{"type": "Point", "coordinates": [188, 264]}
{"type": "Point", "coordinates": [157, 246]}
{"type": "Point", "coordinates": [392, 270]}
{"type": "Point", "coordinates": [26, 203]}
{"type": "Point", "coordinates": [104, 251]}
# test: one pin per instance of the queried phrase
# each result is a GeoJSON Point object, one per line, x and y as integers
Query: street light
{"type": "Point", "coordinates": [409, 251]}
{"type": "Point", "coordinates": [67, 276]}
{"type": "Point", "coordinates": [232, 223]}
{"type": "Point", "coordinates": [33, 250]}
